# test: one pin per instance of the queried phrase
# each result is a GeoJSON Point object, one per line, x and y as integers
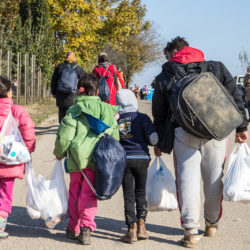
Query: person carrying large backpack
{"type": "Point", "coordinates": [194, 155]}
{"type": "Point", "coordinates": [64, 83]}
{"type": "Point", "coordinates": [106, 70]}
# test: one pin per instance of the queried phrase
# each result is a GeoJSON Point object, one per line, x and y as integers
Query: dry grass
{"type": "Point", "coordinates": [42, 110]}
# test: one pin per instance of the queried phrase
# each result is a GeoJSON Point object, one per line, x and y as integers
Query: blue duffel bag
{"type": "Point", "coordinates": [110, 159]}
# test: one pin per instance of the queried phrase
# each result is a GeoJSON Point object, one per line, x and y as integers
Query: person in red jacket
{"type": "Point", "coordinates": [105, 68]}
{"type": "Point", "coordinates": [8, 173]}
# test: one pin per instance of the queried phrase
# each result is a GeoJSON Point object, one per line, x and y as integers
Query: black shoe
{"type": "Point", "coordinates": [84, 236]}
{"type": "Point", "coordinates": [71, 235]}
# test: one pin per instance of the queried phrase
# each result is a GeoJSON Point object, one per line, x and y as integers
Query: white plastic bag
{"type": "Point", "coordinates": [46, 199]}
{"type": "Point", "coordinates": [12, 147]}
{"type": "Point", "coordinates": [160, 188]}
{"type": "Point", "coordinates": [237, 180]}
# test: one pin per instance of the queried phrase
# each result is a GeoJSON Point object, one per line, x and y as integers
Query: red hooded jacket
{"type": "Point", "coordinates": [188, 55]}
{"type": "Point", "coordinates": [110, 71]}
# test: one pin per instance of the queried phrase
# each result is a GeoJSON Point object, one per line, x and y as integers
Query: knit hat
{"type": "Point", "coordinates": [70, 57]}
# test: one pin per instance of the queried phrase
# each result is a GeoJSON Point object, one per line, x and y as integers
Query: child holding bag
{"type": "Point", "coordinates": [8, 173]}
{"type": "Point", "coordinates": [136, 133]}
{"type": "Point", "coordinates": [77, 140]}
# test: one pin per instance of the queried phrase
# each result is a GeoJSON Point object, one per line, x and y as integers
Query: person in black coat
{"type": "Point", "coordinates": [64, 100]}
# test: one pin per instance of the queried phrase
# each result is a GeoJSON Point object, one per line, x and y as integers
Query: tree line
{"type": "Point", "coordinates": [50, 28]}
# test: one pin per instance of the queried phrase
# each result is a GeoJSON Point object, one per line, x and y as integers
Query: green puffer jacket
{"type": "Point", "coordinates": [76, 138]}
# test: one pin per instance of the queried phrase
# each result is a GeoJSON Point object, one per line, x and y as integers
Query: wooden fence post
{"type": "Point", "coordinates": [26, 66]}
{"type": "Point", "coordinates": [18, 87]}
{"type": "Point", "coordinates": [39, 80]}
{"type": "Point", "coordinates": [33, 72]}
{"type": "Point", "coordinates": [1, 61]}
{"type": "Point", "coordinates": [9, 65]}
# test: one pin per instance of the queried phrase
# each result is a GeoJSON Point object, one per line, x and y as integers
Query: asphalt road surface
{"type": "Point", "coordinates": [163, 227]}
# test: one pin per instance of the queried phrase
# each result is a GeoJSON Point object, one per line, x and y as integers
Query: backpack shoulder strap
{"type": "Point", "coordinates": [106, 69]}
{"type": "Point", "coordinates": [114, 71]}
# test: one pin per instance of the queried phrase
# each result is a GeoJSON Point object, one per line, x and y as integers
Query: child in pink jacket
{"type": "Point", "coordinates": [8, 173]}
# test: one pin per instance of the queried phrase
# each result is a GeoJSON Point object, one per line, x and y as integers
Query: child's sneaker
{"type": "Point", "coordinates": [71, 235]}
{"type": "Point", "coordinates": [190, 240]}
{"type": "Point", "coordinates": [84, 236]}
{"type": "Point", "coordinates": [3, 235]}
{"type": "Point", "coordinates": [210, 229]}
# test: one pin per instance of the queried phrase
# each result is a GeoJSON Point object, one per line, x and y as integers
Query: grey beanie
{"type": "Point", "coordinates": [126, 99]}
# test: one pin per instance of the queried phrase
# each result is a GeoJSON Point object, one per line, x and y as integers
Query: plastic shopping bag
{"type": "Point", "coordinates": [237, 180]}
{"type": "Point", "coordinates": [46, 199]}
{"type": "Point", "coordinates": [12, 147]}
{"type": "Point", "coordinates": [160, 188]}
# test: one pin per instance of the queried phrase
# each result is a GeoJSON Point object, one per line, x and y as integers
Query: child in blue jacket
{"type": "Point", "coordinates": [136, 133]}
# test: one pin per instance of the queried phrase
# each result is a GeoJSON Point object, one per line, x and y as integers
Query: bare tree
{"type": "Point", "coordinates": [244, 61]}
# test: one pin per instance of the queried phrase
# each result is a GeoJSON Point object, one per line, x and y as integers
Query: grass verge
{"type": "Point", "coordinates": [42, 110]}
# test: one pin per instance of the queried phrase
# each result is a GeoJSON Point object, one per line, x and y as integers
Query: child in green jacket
{"type": "Point", "coordinates": [76, 139]}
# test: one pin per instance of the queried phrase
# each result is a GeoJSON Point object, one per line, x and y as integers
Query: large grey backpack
{"type": "Point", "coordinates": [203, 107]}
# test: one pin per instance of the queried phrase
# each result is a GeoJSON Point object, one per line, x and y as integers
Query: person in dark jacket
{"type": "Point", "coordinates": [64, 100]}
{"type": "Point", "coordinates": [193, 156]}
{"type": "Point", "coordinates": [136, 133]}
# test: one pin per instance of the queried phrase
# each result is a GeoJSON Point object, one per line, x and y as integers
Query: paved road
{"type": "Point", "coordinates": [164, 227]}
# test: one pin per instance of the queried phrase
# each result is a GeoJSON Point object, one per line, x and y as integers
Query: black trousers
{"type": "Point", "coordinates": [61, 113]}
{"type": "Point", "coordinates": [134, 189]}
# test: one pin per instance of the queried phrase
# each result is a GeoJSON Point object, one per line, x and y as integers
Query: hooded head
{"type": "Point", "coordinates": [248, 69]}
{"type": "Point", "coordinates": [126, 99]}
{"type": "Point", "coordinates": [70, 57]}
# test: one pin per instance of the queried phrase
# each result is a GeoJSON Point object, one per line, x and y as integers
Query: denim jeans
{"type": "Point", "coordinates": [134, 189]}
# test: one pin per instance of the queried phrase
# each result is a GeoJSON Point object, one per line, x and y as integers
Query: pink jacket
{"type": "Point", "coordinates": [27, 130]}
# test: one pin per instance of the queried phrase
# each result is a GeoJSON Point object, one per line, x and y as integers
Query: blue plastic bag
{"type": "Point", "coordinates": [110, 159]}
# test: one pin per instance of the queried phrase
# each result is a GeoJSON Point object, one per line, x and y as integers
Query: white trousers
{"type": "Point", "coordinates": [195, 158]}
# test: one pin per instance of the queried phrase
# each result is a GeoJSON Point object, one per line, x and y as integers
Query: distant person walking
{"type": "Point", "coordinates": [64, 83]}
{"type": "Point", "coordinates": [246, 84]}
{"type": "Point", "coordinates": [123, 76]}
{"type": "Point", "coordinates": [108, 70]}
{"type": "Point", "coordinates": [136, 91]}
{"type": "Point", "coordinates": [145, 92]}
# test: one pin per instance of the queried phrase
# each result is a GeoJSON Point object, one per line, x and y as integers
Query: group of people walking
{"type": "Point", "coordinates": [76, 140]}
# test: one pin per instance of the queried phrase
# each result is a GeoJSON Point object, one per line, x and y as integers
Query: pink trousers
{"type": "Point", "coordinates": [6, 196]}
{"type": "Point", "coordinates": [82, 201]}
